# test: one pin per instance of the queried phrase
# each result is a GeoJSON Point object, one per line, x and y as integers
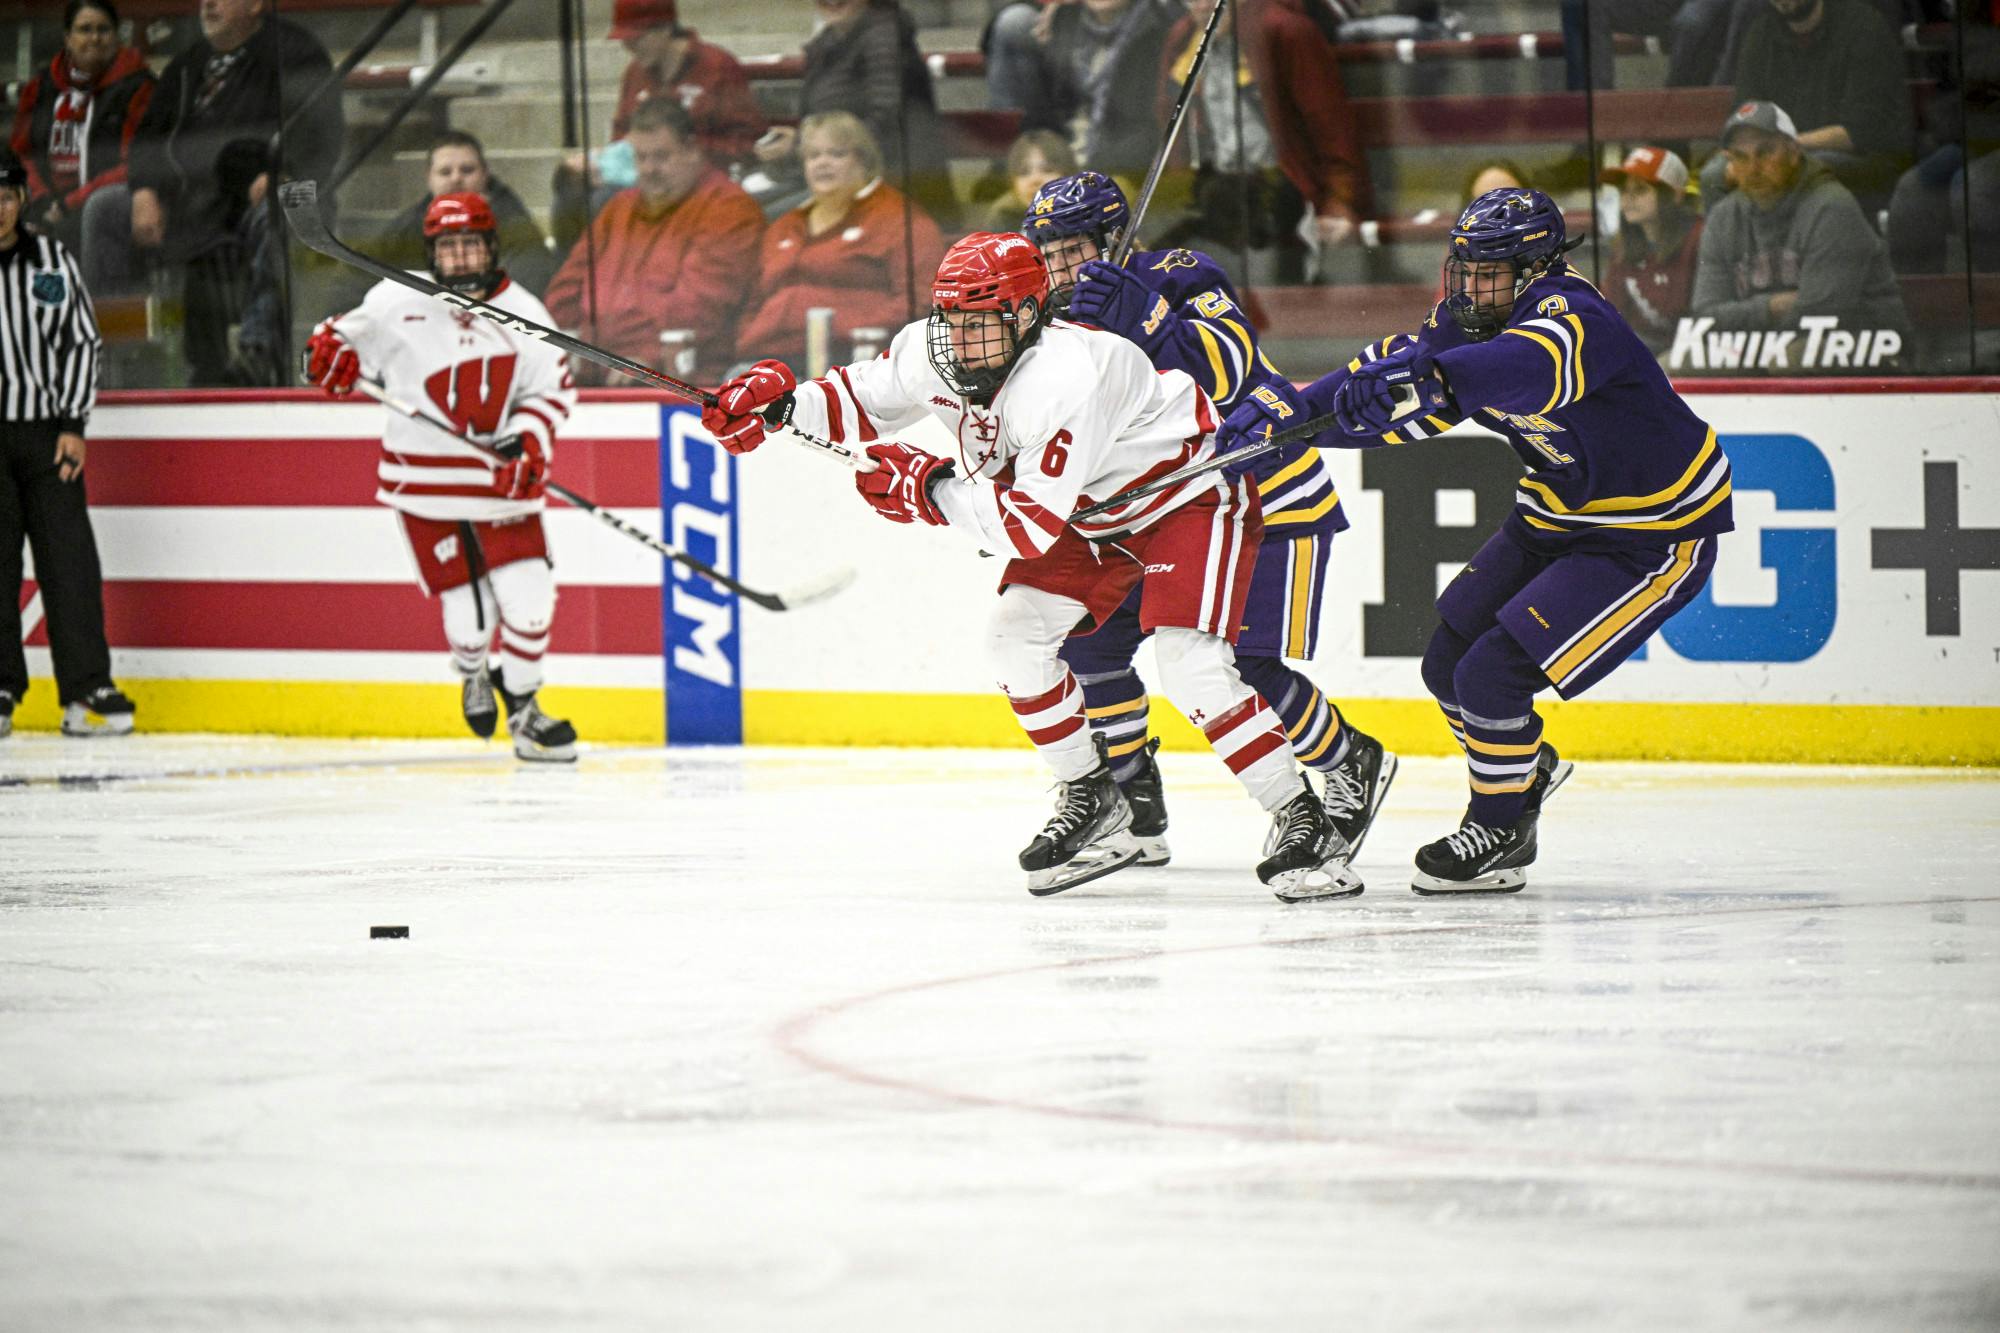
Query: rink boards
{"type": "Point", "coordinates": [253, 585]}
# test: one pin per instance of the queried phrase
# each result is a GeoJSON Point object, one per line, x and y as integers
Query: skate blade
{"type": "Point", "coordinates": [545, 754]}
{"type": "Point", "coordinates": [95, 724]}
{"type": "Point", "coordinates": [1557, 776]}
{"type": "Point", "coordinates": [1110, 853]}
{"type": "Point", "coordinates": [1333, 880]}
{"type": "Point", "coordinates": [1154, 851]}
{"type": "Point", "coordinates": [1498, 881]}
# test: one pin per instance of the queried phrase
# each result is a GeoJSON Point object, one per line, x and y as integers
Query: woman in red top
{"type": "Point", "coordinates": [1651, 271]}
{"type": "Point", "coordinates": [858, 246]}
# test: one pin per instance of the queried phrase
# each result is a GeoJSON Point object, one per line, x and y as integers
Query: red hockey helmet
{"type": "Point", "coordinates": [464, 212]}
{"type": "Point", "coordinates": [987, 305]}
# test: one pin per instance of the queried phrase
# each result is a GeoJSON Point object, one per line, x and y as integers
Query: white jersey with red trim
{"type": "Point", "coordinates": [1082, 416]}
{"type": "Point", "coordinates": [488, 381]}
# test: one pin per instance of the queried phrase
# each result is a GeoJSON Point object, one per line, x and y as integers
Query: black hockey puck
{"type": "Point", "coordinates": [388, 932]}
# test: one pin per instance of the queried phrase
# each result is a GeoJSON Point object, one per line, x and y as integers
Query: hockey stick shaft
{"type": "Point", "coordinates": [1407, 402]}
{"type": "Point", "coordinates": [1130, 237]}
{"type": "Point", "coordinates": [769, 601]}
{"type": "Point", "coordinates": [300, 201]}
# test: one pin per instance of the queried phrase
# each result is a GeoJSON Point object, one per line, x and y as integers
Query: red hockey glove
{"type": "Point", "coordinates": [900, 486]}
{"type": "Point", "coordinates": [330, 360]}
{"type": "Point", "coordinates": [761, 396]}
{"type": "Point", "coordinates": [525, 474]}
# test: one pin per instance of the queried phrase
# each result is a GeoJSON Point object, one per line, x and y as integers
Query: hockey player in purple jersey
{"type": "Point", "coordinates": [1179, 307]}
{"type": "Point", "coordinates": [1613, 528]}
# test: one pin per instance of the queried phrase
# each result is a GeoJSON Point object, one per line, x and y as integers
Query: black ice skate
{"type": "Point", "coordinates": [1087, 838]}
{"type": "Point", "coordinates": [482, 710]}
{"type": "Point", "coordinates": [1479, 859]}
{"type": "Point", "coordinates": [1306, 857]}
{"type": "Point", "coordinates": [102, 712]}
{"type": "Point", "coordinates": [1354, 790]}
{"type": "Point", "coordinates": [6, 714]}
{"type": "Point", "coordinates": [538, 737]}
{"type": "Point", "coordinates": [1143, 792]}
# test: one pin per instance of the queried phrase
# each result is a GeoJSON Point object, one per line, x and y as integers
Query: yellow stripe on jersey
{"type": "Point", "coordinates": [1656, 588]}
{"type": "Point", "coordinates": [1437, 423]}
{"type": "Point", "coordinates": [1318, 511]}
{"type": "Point", "coordinates": [1244, 340]}
{"type": "Point", "coordinates": [1555, 355]}
{"type": "Point", "coordinates": [1300, 602]}
{"type": "Point", "coordinates": [1613, 504]}
{"type": "Point", "coordinates": [1287, 472]}
{"type": "Point", "coordinates": [1489, 747]}
{"type": "Point", "coordinates": [1576, 356]}
{"type": "Point", "coordinates": [1214, 350]}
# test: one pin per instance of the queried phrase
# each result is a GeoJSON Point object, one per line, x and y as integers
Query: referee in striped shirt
{"type": "Point", "coordinates": [48, 381]}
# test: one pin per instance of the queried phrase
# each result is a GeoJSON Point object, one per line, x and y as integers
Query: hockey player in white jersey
{"type": "Point", "coordinates": [1050, 416]}
{"type": "Point", "coordinates": [474, 528]}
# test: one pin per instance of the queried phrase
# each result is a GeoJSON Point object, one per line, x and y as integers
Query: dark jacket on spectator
{"type": "Point", "coordinates": [860, 268]}
{"type": "Point", "coordinates": [635, 275]}
{"type": "Point", "coordinates": [524, 251]}
{"type": "Point", "coordinates": [117, 101]}
{"type": "Point", "coordinates": [1305, 104]}
{"type": "Point", "coordinates": [872, 68]}
{"type": "Point", "coordinates": [1652, 288]}
{"type": "Point", "coordinates": [201, 161]}
{"type": "Point", "coordinates": [1849, 72]}
{"type": "Point", "coordinates": [713, 88]}
{"type": "Point", "coordinates": [1814, 241]}
{"type": "Point", "coordinates": [1123, 131]}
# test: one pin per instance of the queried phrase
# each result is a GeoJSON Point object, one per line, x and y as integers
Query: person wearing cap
{"type": "Point", "coordinates": [1650, 277]}
{"type": "Point", "coordinates": [668, 60]}
{"type": "Point", "coordinates": [1837, 66]}
{"type": "Point", "coordinates": [48, 384]}
{"type": "Point", "coordinates": [1790, 241]}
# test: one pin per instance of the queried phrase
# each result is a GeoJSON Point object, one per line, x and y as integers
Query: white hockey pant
{"type": "Point", "coordinates": [518, 599]}
{"type": "Point", "coordinates": [1197, 671]}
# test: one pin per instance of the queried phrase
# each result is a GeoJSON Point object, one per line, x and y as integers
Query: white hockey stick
{"type": "Point", "coordinates": [823, 587]}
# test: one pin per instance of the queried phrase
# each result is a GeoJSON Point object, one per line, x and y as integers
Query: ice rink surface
{"type": "Point", "coordinates": [721, 1040]}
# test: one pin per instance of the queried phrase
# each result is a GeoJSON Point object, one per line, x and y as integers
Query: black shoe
{"type": "Point", "coordinates": [1478, 859]}
{"type": "Point", "coordinates": [1354, 790]}
{"type": "Point", "coordinates": [1307, 857]}
{"type": "Point", "coordinates": [1086, 838]}
{"type": "Point", "coordinates": [1145, 794]}
{"type": "Point", "coordinates": [102, 712]}
{"type": "Point", "coordinates": [538, 737]}
{"type": "Point", "coordinates": [477, 701]}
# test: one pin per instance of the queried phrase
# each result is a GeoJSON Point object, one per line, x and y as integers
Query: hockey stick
{"type": "Point", "coordinates": [300, 200]}
{"type": "Point", "coordinates": [817, 590]}
{"type": "Point", "coordinates": [1130, 238]}
{"type": "Point", "coordinates": [1407, 402]}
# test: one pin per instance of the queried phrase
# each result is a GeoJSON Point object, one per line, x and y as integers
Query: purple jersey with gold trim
{"type": "Point", "coordinates": [1615, 457]}
{"type": "Point", "coordinates": [1196, 324]}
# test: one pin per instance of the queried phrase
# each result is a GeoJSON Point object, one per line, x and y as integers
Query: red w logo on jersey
{"type": "Point", "coordinates": [473, 394]}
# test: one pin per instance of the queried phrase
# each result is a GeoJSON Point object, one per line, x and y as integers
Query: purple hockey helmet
{"type": "Point", "coordinates": [1521, 228]}
{"type": "Point", "coordinates": [1086, 203]}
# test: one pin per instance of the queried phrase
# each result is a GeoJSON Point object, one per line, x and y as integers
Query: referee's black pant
{"type": "Point", "coordinates": [38, 505]}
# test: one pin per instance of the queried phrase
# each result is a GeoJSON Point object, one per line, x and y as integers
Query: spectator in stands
{"type": "Point", "coordinates": [1037, 157]}
{"type": "Point", "coordinates": [1498, 173]}
{"type": "Point", "coordinates": [1837, 67]}
{"type": "Point", "coordinates": [1270, 142]}
{"type": "Point", "coordinates": [1790, 241]}
{"type": "Point", "coordinates": [207, 155]}
{"type": "Point", "coordinates": [672, 252]}
{"type": "Point", "coordinates": [73, 127]}
{"type": "Point", "coordinates": [864, 60]}
{"type": "Point", "coordinates": [1650, 276]}
{"type": "Point", "coordinates": [858, 247]}
{"type": "Point", "coordinates": [457, 164]}
{"type": "Point", "coordinates": [668, 60]}
{"type": "Point", "coordinates": [1095, 74]}
{"type": "Point", "coordinates": [1939, 196]}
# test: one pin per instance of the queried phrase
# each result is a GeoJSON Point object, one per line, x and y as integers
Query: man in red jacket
{"type": "Point", "coordinates": [672, 252]}
{"type": "Point", "coordinates": [73, 129]}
